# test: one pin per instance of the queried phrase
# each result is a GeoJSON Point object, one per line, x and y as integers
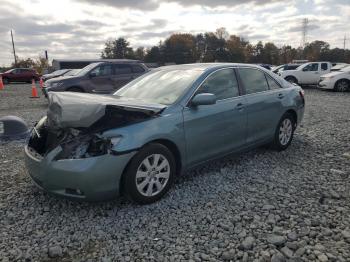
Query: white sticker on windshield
{"type": "Point", "coordinates": [1, 128]}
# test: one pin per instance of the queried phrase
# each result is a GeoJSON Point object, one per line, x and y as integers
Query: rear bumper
{"type": "Point", "coordinates": [91, 179]}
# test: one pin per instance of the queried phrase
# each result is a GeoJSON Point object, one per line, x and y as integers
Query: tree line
{"type": "Point", "coordinates": [219, 46]}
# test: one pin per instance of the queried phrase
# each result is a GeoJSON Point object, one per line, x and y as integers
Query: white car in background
{"type": "Point", "coordinates": [307, 74]}
{"type": "Point", "coordinates": [338, 81]}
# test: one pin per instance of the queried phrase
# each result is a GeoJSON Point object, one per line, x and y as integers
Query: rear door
{"type": "Point", "coordinates": [27, 74]}
{"type": "Point", "coordinates": [264, 102]}
{"type": "Point", "coordinates": [123, 74]}
{"type": "Point", "coordinates": [213, 130]}
{"type": "Point", "coordinates": [101, 79]}
{"type": "Point", "coordinates": [325, 68]}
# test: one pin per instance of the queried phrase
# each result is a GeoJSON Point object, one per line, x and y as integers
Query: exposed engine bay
{"type": "Point", "coordinates": [76, 124]}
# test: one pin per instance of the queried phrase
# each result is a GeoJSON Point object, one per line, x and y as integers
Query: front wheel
{"type": "Point", "coordinates": [5, 81]}
{"type": "Point", "coordinates": [284, 132]}
{"type": "Point", "coordinates": [150, 174]}
{"type": "Point", "coordinates": [342, 85]}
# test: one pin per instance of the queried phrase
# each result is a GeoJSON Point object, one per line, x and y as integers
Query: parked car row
{"type": "Point", "coordinates": [100, 77]}
{"type": "Point", "coordinates": [323, 74]}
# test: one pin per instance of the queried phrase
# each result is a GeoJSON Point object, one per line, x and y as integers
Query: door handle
{"type": "Point", "coordinates": [280, 96]}
{"type": "Point", "coordinates": [316, 72]}
{"type": "Point", "coordinates": [239, 106]}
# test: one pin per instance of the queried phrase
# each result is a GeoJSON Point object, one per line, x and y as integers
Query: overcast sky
{"type": "Point", "coordinates": [79, 28]}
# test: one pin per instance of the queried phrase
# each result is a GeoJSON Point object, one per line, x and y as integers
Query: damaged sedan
{"type": "Point", "coordinates": [136, 141]}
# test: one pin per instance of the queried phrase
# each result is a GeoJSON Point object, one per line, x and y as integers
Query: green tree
{"type": "Point", "coordinates": [119, 48]}
{"type": "Point", "coordinates": [153, 55]}
{"type": "Point", "coordinates": [180, 48]}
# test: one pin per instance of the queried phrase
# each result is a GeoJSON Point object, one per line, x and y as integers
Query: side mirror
{"type": "Point", "coordinates": [93, 74]}
{"type": "Point", "coordinates": [203, 99]}
{"type": "Point", "coordinates": [305, 69]}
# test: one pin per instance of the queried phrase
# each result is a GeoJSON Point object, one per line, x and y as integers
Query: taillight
{"type": "Point", "coordinates": [302, 93]}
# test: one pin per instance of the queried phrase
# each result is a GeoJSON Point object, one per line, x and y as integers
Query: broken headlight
{"type": "Point", "coordinates": [87, 146]}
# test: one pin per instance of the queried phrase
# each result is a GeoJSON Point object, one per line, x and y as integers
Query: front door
{"type": "Point", "coordinates": [213, 130]}
{"type": "Point", "coordinates": [101, 79]}
{"type": "Point", "coordinates": [310, 74]}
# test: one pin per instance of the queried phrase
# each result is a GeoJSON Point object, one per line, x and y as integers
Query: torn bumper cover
{"type": "Point", "coordinates": [68, 155]}
{"type": "Point", "coordinates": [93, 179]}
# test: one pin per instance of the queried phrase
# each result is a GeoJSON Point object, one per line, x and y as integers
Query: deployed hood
{"type": "Point", "coordinates": [81, 110]}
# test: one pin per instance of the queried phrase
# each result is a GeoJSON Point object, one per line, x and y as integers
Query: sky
{"type": "Point", "coordinates": [79, 28]}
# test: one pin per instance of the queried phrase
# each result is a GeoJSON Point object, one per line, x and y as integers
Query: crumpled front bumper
{"type": "Point", "coordinates": [91, 179]}
{"type": "Point", "coordinates": [325, 84]}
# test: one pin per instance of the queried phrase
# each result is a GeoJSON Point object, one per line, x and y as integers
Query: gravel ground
{"type": "Point", "coordinates": [258, 206]}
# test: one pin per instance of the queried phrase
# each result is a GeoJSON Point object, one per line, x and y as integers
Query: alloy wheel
{"type": "Point", "coordinates": [285, 132]}
{"type": "Point", "coordinates": [342, 86]}
{"type": "Point", "coordinates": [152, 175]}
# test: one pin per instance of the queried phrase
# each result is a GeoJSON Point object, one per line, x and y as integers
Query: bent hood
{"type": "Point", "coordinates": [81, 110]}
{"type": "Point", "coordinates": [335, 73]}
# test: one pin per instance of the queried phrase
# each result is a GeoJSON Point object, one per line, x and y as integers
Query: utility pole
{"type": "Point", "coordinates": [14, 51]}
{"type": "Point", "coordinates": [344, 41]}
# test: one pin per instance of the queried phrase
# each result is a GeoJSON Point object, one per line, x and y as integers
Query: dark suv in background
{"type": "Point", "coordinates": [20, 75]}
{"type": "Point", "coordinates": [100, 77]}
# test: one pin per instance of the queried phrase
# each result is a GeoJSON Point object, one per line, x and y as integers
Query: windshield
{"type": "Point", "coordinates": [87, 69]}
{"type": "Point", "coordinates": [9, 71]}
{"type": "Point", "coordinates": [160, 86]}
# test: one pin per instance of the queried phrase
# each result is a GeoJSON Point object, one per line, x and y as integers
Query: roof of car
{"type": "Point", "coordinates": [205, 66]}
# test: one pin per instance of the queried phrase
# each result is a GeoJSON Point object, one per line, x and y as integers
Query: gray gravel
{"type": "Point", "coordinates": [258, 206]}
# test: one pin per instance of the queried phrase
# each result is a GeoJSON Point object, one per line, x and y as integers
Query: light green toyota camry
{"type": "Point", "coordinates": [137, 140]}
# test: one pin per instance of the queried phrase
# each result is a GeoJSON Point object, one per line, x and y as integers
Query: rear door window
{"type": "Point", "coordinates": [122, 69]}
{"type": "Point", "coordinates": [253, 80]}
{"type": "Point", "coordinates": [324, 66]}
{"type": "Point", "coordinates": [272, 82]}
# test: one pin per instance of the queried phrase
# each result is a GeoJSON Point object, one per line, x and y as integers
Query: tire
{"type": "Point", "coordinates": [147, 185]}
{"type": "Point", "coordinates": [291, 79]}
{"type": "Point", "coordinates": [342, 85]}
{"type": "Point", "coordinates": [75, 89]}
{"type": "Point", "coordinates": [284, 132]}
{"type": "Point", "coordinates": [5, 81]}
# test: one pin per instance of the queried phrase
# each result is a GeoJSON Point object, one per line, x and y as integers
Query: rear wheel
{"type": "Point", "coordinates": [150, 174]}
{"type": "Point", "coordinates": [342, 85]}
{"type": "Point", "coordinates": [291, 79]}
{"type": "Point", "coordinates": [284, 132]}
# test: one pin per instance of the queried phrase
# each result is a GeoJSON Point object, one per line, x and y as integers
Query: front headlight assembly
{"type": "Point", "coordinates": [87, 146]}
